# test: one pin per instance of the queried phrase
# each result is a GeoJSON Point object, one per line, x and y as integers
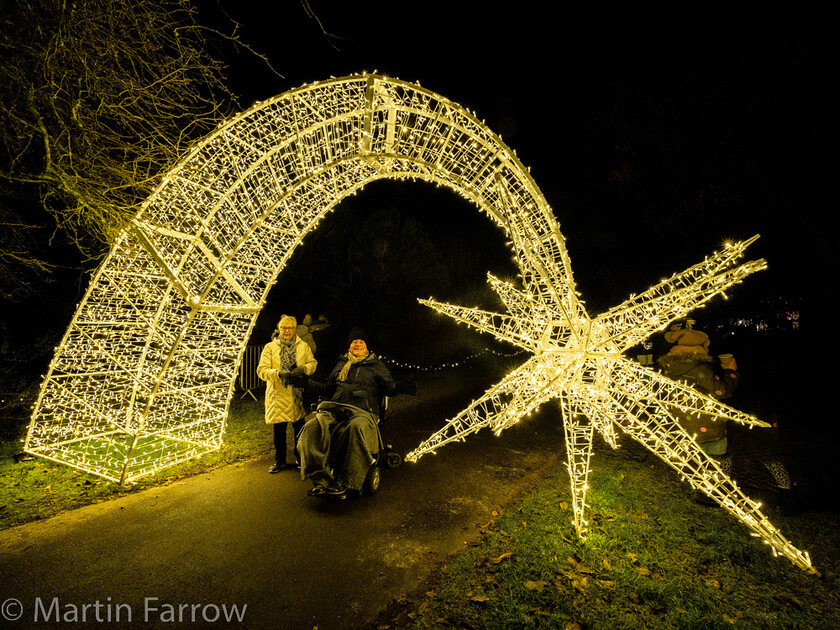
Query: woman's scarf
{"type": "Point", "coordinates": [351, 360]}
{"type": "Point", "coordinates": [288, 362]}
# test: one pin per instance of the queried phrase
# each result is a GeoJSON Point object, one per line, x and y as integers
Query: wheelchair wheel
{"type": "Point", "coordinates": [371, 484]}
{"type": "Point", "coordinates": [393, 459]}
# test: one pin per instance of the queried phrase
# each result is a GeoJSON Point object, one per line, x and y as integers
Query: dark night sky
{"type": "Point", "coordinates": [654, 136]}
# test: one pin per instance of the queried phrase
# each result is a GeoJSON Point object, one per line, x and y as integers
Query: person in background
{"type": "Point", "coordinates": [302, 331]}
{"type": "Point", "coordinates": [286, 356]}
{"type": "Point", "coordinates": [689, 360]}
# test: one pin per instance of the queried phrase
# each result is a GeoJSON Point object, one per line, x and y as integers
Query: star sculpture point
{"type": "Point", "coordinates": [579, 361]}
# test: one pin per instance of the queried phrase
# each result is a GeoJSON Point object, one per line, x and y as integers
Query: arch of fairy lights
{"type": "Point", "coordinates": [144, 375]}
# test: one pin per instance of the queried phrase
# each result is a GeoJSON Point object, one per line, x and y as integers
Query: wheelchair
{"type": "Point", "coordinates": [387, 457]}
{"type": "Point", "coordinates": [384, 457]}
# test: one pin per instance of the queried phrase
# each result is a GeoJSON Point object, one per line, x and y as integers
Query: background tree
{"type": "Point", "coordinates": [98, 99]}
{"type": "Point", "coordinates": [365, 269]}
{"type": "Point", "coordinates": [369, 261]}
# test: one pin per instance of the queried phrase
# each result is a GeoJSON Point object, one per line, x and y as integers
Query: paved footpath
{"type": "Point", "coordinates": [239, 547]}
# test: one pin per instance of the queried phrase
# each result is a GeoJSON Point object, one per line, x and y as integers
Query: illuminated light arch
{"type": "Point", "coordinates": [145, 372]}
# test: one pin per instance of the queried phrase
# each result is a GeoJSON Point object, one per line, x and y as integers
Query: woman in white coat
{"type": "Point", "coordinates": [286, 355]}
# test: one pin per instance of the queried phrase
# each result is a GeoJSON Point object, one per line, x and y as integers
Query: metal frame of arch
{"type": "Point", "coordinates": [144, 375]}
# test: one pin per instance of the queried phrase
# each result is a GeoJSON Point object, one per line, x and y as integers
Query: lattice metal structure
{"type": "Point", "coordinates": [580, 361]}
{"type": "Point", "coordinates": [144, 374]}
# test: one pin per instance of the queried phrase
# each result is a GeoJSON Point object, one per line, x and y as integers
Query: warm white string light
{"type": "Point", "coordinates": [437, 367]}
{"type": "Point", "coordinates": [144, 374]}
{"type": "Point", "coordinates": [580, 362]}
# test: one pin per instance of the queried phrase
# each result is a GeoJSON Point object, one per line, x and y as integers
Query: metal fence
{"type": "Point", "coordinates": [248, 379]}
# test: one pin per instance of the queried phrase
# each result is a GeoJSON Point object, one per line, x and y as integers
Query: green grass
{"type": "Point", "coordinates": [37, 488]}
{"type": "Point", "coordinates": [652, 559]}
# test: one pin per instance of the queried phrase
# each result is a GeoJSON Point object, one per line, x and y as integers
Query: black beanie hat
{"type": "Point", "coordinates": [357, 333]}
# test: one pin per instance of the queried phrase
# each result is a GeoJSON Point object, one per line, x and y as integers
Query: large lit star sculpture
{"type": "Point", "coordinates": [579, 361]}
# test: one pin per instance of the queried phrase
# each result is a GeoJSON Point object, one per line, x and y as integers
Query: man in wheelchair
{"type": "Point", "coordinates": [338, 446]}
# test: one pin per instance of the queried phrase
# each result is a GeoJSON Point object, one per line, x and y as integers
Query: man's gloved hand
{"type": "Point", "coordinates": [297, 378]}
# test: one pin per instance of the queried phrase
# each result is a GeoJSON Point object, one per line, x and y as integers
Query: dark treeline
{"type": "Point", "coordinates": [378, 252]}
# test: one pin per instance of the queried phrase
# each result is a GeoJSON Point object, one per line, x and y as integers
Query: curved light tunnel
{"type": "Point", "coordinates": [144, 374]}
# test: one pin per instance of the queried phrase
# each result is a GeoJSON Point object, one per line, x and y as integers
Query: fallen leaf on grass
{"type": "Point", "coordinates": [536, 585]}
{"type": "Point", "coordinates": [787, 601]}
{"type": "Point", "coordinates": [580, 568]}
{"type": "Point", "coordinates": [580, 584]}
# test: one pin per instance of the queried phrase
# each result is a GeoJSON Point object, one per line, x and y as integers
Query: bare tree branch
{"type": "Point", "coordinates": [98, 99]}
